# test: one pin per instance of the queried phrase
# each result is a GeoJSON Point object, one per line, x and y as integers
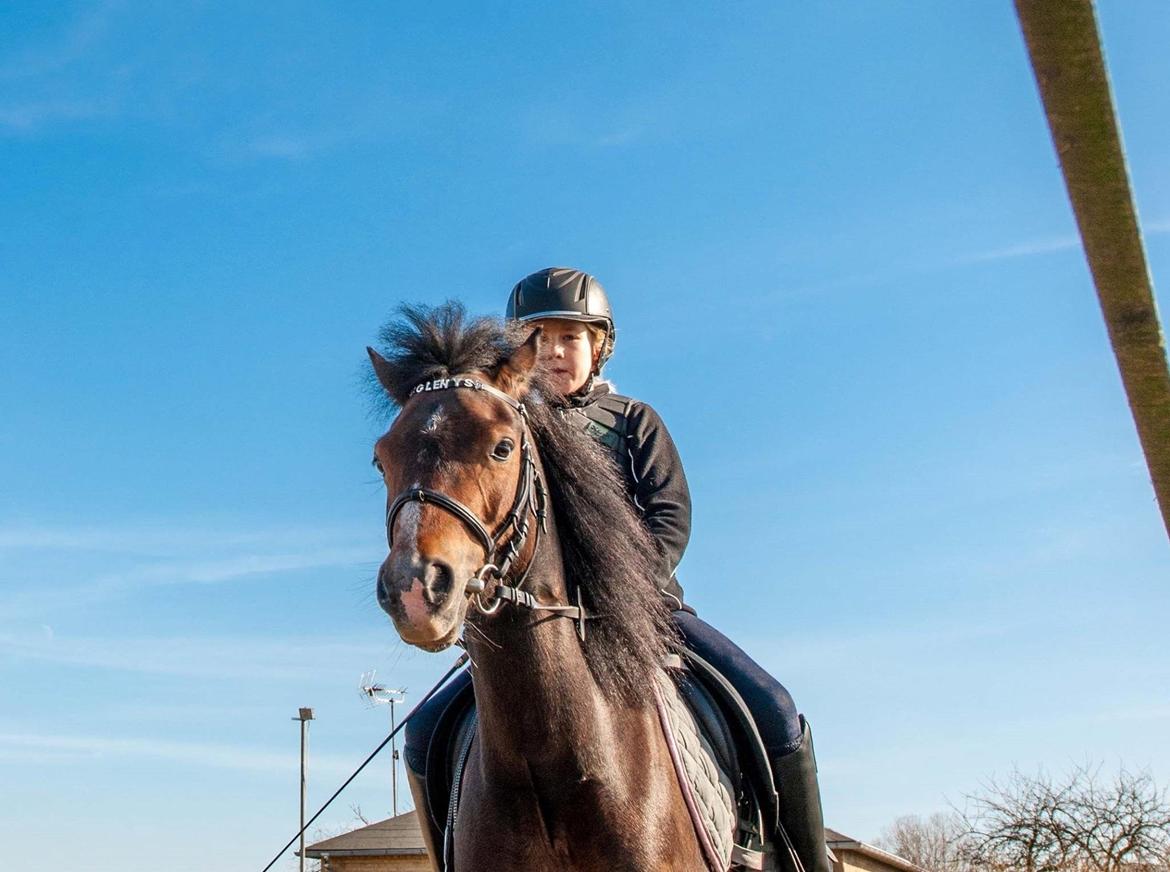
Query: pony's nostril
{"type": "Point", "coordinates": [380, 589]}
{"type": "Point", "coordinates": [438, 579]}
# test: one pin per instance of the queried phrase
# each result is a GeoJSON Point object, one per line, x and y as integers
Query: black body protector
{"type": "Point", "coordinates": [641, 446]}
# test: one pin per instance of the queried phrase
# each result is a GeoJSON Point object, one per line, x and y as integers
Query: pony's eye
{"type": "Point", "coordinates": [504, 450]}
{"type": "Point", "coordinates": [378, 466]}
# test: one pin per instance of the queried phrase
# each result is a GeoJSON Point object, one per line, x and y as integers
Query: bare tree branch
{"type": "Point", "coordinates": [1080, 823]}
{"type": "Point", "coordinates": [1036, 823]}
{"type": "Point", "coordinates": [932, 843]}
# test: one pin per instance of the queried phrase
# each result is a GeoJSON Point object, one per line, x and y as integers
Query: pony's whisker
{"type": "Point", "coordinates": [484, 636]}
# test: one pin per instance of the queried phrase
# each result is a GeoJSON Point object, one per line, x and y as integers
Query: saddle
{"type": "Point", "coordinates": [719, 759]}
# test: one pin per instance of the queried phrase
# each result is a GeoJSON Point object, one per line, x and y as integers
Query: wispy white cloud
{"type": "Point", "coordinates": [1153, 712]}
{"type": "Point", "coordinates": [162, 538]}
{"type": "Point", "coordinates": [1024, 249]}
{"type": "Point", "coordinates": [280, 146]}
{"type": "Point", "coordinates": [320, 123]}
{"type": "Point", "coordinates": [103, 562]}
{"type": "Point", "coordinates": [285, 659]}
{"type": "Point", "coordinates": [29, 117]}
{"type": "Point", "coordinates": [68, 750]}
{"type": "Point", "coordinates": [825, 645]}
{"type": "Point", "coordinates": [1031, 248]}
{"type": "Point", "coordinates": [157, 64]}
{"type": "Point", "coordinates": [291, 146]}
{"type": "Point", "coordinates": [78, 38]}
{"type": "Point", "coordinates": [218, 570]}
{"type": "Point", "coordinates": [47, 84]}
{"type": "Point", "coordinates": [591, 126]}
{"type": "Point", "coordinates": [622, 136]}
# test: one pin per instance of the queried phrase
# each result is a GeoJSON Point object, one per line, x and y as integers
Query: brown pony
{"type": "Point", "coordinates": [490, 491]}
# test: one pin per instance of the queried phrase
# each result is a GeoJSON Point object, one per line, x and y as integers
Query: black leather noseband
{"type": "Point", "coordinates": [452, 505]}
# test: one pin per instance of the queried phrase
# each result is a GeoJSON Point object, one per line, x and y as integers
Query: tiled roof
{"type": "Point", "coordinates": [394, 836]}
{"type": "Point", "coordinates": [402, 835]}
{"type": "Point", "coordinates": [840, 842]}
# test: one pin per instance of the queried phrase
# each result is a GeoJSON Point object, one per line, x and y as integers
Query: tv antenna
{"type": "Point", "coordinates": [378, 694]}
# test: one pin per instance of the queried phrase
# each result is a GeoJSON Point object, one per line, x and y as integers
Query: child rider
{"type": "Point", "coordinates": [578, 339]}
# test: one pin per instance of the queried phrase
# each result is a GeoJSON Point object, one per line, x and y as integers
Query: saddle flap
{"type": "Point", "coordinates": [706, 784]}
{"type": "Point", "coordinates": [711, 722]}
{"type": "Point", "coordinates": [738, 717]}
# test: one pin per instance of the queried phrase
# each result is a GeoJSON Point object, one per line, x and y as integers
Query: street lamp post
{"type": "Point", "coordinates": [304, 715]}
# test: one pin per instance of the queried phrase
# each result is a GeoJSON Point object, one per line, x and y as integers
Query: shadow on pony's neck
{"type": "Point", "coordinates": [544, 719]}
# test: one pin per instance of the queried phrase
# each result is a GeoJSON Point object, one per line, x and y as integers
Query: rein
{"type": "Point", "coordinates": [531, 501]}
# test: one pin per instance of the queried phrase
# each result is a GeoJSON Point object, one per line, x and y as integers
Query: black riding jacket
{"type": "Point", "coordinates": [647, 457]}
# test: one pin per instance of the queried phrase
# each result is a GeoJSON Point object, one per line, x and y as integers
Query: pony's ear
{"type": "Point", "coordinates": [516, 371]}
{"type": "Point", "coordinates": [382, 371]}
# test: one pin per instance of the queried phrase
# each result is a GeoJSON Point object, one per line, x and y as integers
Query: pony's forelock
{"type": "Point", "coordinates": [424, 343]}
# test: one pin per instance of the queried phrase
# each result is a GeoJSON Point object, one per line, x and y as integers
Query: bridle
{"type": "Point", "coordinates": [530, 502]}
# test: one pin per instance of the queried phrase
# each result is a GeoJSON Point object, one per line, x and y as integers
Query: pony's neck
{"type": "Point", "coordinates": [536, 696]}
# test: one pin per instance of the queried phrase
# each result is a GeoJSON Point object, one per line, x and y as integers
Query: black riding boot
{"type": "Point", "coordinates": [432, 835]}
{"type": "Point", "coordinates": [800, 807]}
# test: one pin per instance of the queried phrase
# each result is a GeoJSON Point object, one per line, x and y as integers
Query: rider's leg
{"type": "Point", "coordinates": [432, 838]}
{"type": "Point", "coordinates": [418, 732]}
{"type": "Point", "coordinates": [786, 736]}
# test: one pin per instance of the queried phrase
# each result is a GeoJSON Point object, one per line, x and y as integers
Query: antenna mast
{"type": "Point", "coordinates": [378, 694]}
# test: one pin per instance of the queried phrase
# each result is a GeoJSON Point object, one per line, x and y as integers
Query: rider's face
{"type": "Point", "coordinates": [567, 349]}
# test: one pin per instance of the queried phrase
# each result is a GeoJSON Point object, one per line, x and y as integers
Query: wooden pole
{"type": "Point", "coordinates": [1065, 47]}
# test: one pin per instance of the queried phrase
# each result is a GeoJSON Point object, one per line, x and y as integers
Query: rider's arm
{"type": "Point", "coordinates": [660, 485]}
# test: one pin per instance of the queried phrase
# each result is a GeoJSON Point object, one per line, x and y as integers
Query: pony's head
{"type": "Point", "coordinates": [455, 463]}
{"type": "Point", "coordinates": [454, 466]}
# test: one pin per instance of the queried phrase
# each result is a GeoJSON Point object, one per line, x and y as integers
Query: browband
{"type": "Point", "coordinates": [463, 381]}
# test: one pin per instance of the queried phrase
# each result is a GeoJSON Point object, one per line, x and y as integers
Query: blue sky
{"type": "Point", "coordinates": [844, 270]}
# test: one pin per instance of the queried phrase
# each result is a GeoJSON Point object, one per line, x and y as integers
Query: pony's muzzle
{"type": "Point", "coordinates": [421, 597]}
{"type": "Point", "coordinates": [402, 574]}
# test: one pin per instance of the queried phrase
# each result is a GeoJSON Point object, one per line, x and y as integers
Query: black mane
{"type": "Point", "coordinates": [609, 554]}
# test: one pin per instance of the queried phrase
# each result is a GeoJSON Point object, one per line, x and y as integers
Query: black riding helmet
{"type": "Point", "coordinates": [560, 292]}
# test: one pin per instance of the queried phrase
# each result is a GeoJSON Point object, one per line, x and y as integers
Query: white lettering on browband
{"type": "Point", "coordinates": [442, 384]}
